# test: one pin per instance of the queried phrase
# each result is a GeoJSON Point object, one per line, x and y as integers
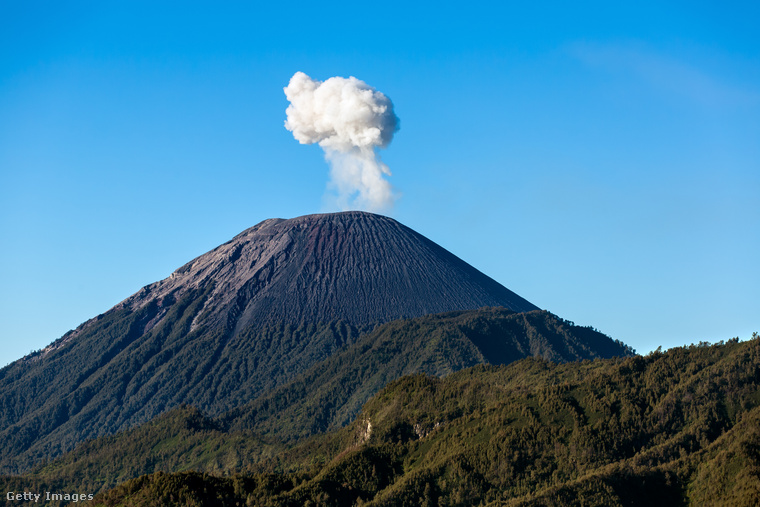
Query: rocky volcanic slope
{"type": "Point", "coordinates": [354, 266]}
{"type": "Point", "coordinates": [231, 324]}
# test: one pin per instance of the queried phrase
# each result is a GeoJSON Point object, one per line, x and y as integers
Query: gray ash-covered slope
{"type": "Point", "coordinates": [354, 266]}
{"type": "Point", "coordinates": [230, 325]}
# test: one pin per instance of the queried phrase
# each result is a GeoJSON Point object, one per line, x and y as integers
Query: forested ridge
{"type": "Point", "coordinates": [326, 396]}
{"type": "Point", "coordinates": [332, 392]}
{"type": "Point", "coordinates": [680, 427]}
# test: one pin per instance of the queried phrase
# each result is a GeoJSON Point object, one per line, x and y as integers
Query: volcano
{"type": "Point", "coordinates": [249, 316]}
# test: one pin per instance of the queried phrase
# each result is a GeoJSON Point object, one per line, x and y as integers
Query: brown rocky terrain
{"type": "Point", "coordinates": [354, 266]}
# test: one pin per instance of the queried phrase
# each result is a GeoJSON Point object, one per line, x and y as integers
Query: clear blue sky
{"type": "Point", "coordinates": [600, 159]}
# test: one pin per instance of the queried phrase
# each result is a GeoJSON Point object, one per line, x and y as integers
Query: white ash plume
{"type": "Point", "coordinates": [350, 120]}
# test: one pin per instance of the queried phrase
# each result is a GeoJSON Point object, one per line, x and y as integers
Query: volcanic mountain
{"type": "Point", "coordinates": [250, 315]}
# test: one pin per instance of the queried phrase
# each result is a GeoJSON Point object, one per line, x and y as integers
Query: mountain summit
{"type": "Point", "coordinates": [354, 266]}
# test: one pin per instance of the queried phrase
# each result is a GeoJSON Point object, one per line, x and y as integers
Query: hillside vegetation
{"type": "Point", "coordinates": [331, 393]}
{"type": "Point", "coordinates": [674, 428]}
{"type": "Point", "coordinates": [327, 396]}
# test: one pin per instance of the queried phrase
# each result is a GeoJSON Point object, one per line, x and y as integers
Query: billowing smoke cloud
{"type": "Point", "coordinates": [350, 120]}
